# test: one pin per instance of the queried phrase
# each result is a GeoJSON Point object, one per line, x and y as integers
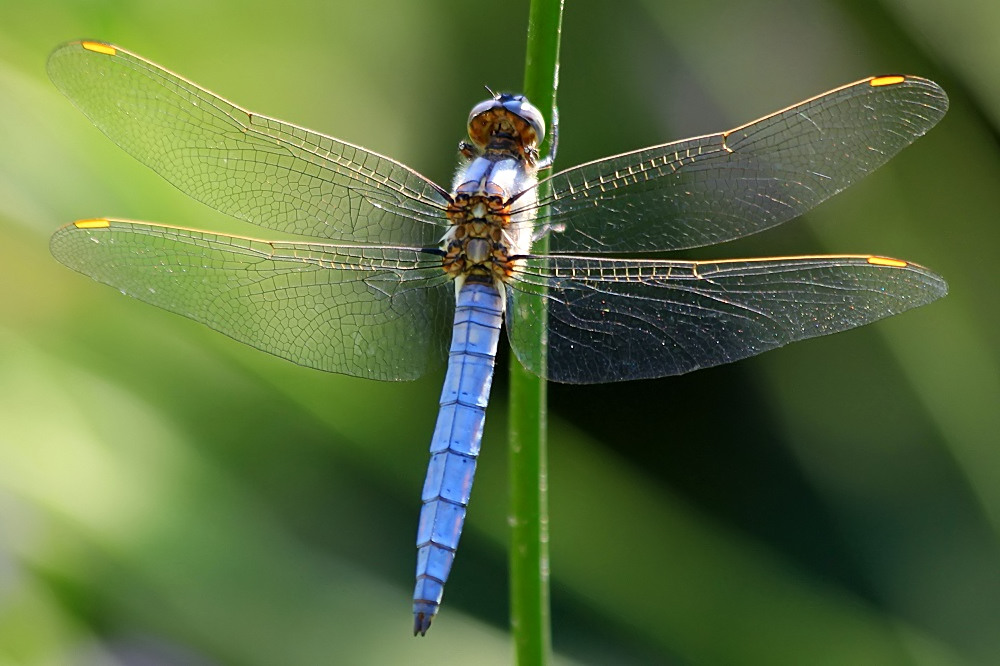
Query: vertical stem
{"type": "Point", "coordinates": [529, 552]}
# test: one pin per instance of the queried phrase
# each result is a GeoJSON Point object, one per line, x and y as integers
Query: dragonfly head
{"type": "Point", "coordinates": [507, 116]}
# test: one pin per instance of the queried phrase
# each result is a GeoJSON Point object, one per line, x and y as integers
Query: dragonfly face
{"type": "Point", "coordinates": [372, 295]}
{"type": "Point", "coordinates": [510, 115]}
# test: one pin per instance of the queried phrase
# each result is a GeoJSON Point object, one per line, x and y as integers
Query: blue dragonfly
{"type": "Point", "coordinates": [393, 256]}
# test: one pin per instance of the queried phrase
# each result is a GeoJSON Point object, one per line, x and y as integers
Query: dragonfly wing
{"type": "Point", "coordinates": [723, 186]}
{"type": "Point", "coordinates": [613, 320]}
{"type": "Point", "coordinates": [374, 312]}
{"type": "Point", "coordinates": [252, 167]}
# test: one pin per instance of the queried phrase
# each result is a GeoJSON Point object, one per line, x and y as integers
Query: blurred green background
{"type": "Point", "coordinates": [168, 496]}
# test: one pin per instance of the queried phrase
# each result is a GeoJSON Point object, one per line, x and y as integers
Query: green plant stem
{"type": "Point", "coordinates": [529, 553]}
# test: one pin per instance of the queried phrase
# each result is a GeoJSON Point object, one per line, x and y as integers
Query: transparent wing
{"type": "Point", "coordinates": [613, 320]}
{"type": "Point", "coordinates": [375, 312]}
{"type": "Point", "coordinates": [716, 188]}
{"type": "Point", "coordinates": [252, 167]}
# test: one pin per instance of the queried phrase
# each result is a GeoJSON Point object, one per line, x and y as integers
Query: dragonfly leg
{"type": "Point", "coordinates": [546, 162]}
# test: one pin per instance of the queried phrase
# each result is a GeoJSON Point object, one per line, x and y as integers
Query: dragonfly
{"type": "Point", "coordinates": [392, 260]}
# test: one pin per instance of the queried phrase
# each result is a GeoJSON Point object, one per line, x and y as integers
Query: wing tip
{"type": "Point", "coordinates": [940, 285]}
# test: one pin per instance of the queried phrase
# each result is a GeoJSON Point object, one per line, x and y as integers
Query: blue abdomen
{"type": "Point", "coordinates": [455, 446]}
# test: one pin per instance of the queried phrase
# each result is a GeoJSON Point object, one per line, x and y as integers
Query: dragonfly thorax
{"type": "Point", "coordinates": [478, 244]}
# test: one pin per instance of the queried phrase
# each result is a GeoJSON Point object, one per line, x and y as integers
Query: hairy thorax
{"type": "Point", "coordinates": [486, 239]}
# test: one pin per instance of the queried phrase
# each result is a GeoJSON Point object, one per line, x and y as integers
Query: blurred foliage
{"type": "Point", "coordinates": [170, 497]}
